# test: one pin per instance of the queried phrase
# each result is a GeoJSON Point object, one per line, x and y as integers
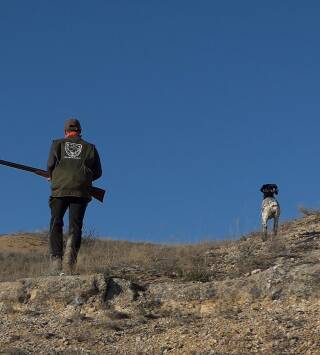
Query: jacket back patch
{"type": "Point", "coordinates": [73, 150]}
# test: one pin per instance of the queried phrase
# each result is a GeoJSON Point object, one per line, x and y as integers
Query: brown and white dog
{"type": "Point", "coordinates": [270, 208]}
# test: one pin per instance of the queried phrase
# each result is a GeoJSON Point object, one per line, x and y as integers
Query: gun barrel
{"type": "Point", "coordinates": [22, 167]}
{"type": "Point", "coordinates": [95, 192]}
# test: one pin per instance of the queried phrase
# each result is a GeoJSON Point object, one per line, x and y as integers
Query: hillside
{"type": "Point", "coordinates": [235, 297]}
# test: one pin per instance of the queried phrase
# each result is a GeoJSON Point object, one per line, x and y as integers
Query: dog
{"type": "Point", "coordinates": [270, 209]}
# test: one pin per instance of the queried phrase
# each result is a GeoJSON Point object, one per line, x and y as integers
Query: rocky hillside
{"type": "Point", "coordinates": [239, 297]}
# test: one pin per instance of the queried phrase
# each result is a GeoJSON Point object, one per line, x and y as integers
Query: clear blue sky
{"type": "Point", "coordinates": [191, 104]}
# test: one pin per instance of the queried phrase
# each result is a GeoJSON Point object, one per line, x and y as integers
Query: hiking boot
{"type": "Point", "coordinates": [56, 263]}
{"type": "Point", "coordinates": [69, 258]}
{"type": "Point", "coordinates": [55, 266]}
{"type": "Point", "coordinates": [70, 270]}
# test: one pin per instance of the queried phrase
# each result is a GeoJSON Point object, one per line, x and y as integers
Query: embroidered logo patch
{"type": "Point", "coordinates": [73, 150]}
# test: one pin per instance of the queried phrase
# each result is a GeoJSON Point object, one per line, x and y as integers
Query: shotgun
{"type": "Point", "coordinates": [95, 192]}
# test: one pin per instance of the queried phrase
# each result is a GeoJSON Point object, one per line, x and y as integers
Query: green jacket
{"type": "Point", "coordinates": [72, 165]}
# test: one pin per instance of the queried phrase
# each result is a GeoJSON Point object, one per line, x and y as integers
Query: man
{"type": "Point", "coordinates": [72, 166]}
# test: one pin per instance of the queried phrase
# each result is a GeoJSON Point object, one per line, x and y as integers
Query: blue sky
{"type": "Point", "coordinates": [193, 105]}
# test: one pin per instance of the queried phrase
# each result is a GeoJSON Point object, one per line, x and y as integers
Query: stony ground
{"type": "Point", "coordinates": [248, 297]}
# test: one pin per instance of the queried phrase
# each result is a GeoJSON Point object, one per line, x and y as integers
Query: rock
{"type": "Point", "coordinates": [256, 300]}
{"type": "Point", "coordinates": [5, 308]}
{"type": "Point", "coordinates": [91, 293]}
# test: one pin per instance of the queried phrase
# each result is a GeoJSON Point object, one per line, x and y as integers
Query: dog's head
{"type": "Point", "coordinates": [269, 189]}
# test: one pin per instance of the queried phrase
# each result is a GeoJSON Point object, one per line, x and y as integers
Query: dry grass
{"type": "Point", "coordinates": [18, 265]}
{"type": "Point", "coordinates": [159, 260]}
{"type": "Point", "coordinates": [25, 255]}
{"type": "Point", "coordinates": [309, 211]}
{"type": "Point", "coordinates": [22, 255]}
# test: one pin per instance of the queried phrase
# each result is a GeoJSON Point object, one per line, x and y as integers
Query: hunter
{"type": "Point", "coordinates": [72, 166]}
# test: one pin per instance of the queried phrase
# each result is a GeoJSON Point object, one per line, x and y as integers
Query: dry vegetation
{"type": "Point", "coordinates": [25, 255]}
{"type": "Point", "coordinates": [235, 297]}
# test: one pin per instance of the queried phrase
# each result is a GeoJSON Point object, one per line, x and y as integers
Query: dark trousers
{"type": "Point", "coordinates": [77, 208]}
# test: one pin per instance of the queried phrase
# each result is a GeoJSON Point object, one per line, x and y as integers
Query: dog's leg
{"type": "Point", "coordinates": [264, 225]}
{"type": "Point", "coordinates": [275, 224]}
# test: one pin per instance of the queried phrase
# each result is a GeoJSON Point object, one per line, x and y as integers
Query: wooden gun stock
{"type": "Point", "coordinates": [95, 192]}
